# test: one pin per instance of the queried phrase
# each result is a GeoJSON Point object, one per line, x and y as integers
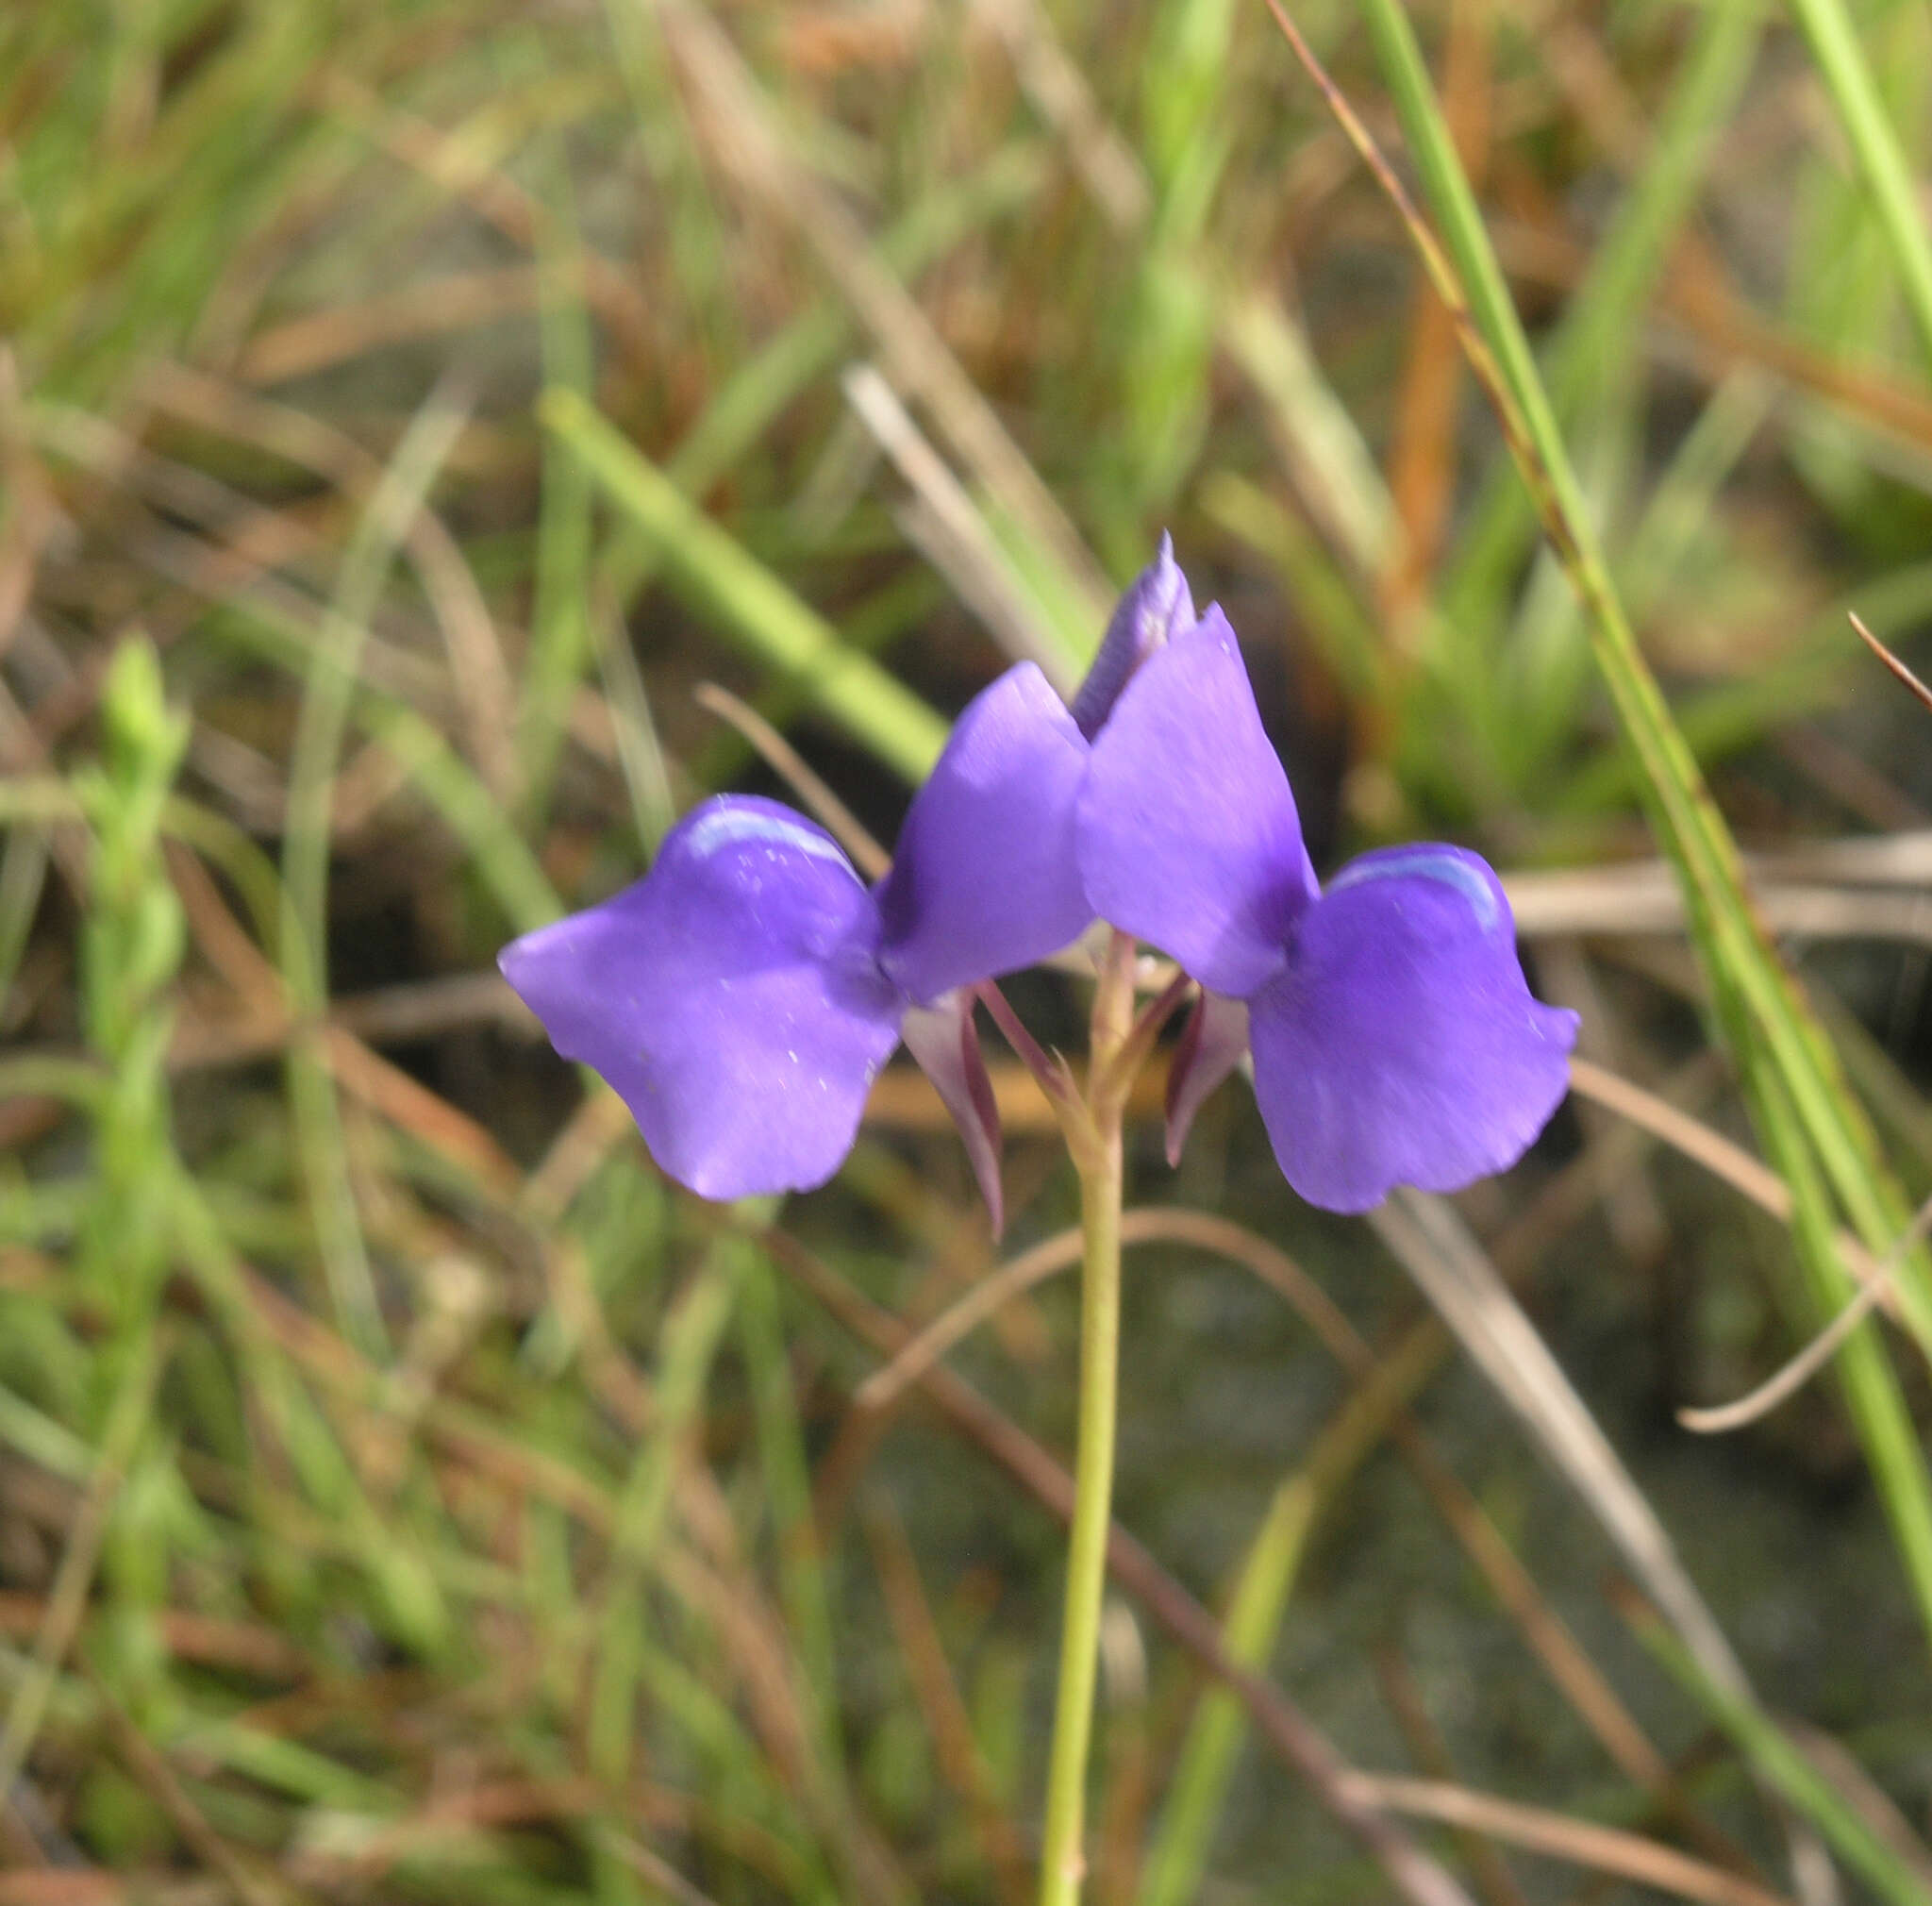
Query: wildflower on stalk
{"type": "Point", "coordinates": [741, 998]}
{"type": "Point", "coordinates": [1394, 1038]}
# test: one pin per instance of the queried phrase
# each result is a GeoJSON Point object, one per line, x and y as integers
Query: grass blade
{"type": "Point", "coordinates": [720, 578]}
{"type": "Point", "coordinates": [1762, 1017]}
{"type": "Point", "coordinates": [1834, 42]}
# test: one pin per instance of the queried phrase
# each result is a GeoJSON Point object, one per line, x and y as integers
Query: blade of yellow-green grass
{"type": "Point", "coordinates": [1600, 332]}
{"type": "Point", "coordinates": [1177, 1859]}
{"type": "Point", "coordinates": [721, 580]}
{"type": "Point", "coordinates": [1888, 175]}
{"type": "Point", "coordinates": [1334, 469]}
{"type": "Point", "coordinates": [1781, 1765]}
{"type": "Point", "coordinates": [786, 1478]}
{"type": "Point", "coordinates": [121, 1434]}
{"type": "Point", "coordinates": [502, 857]}
{"type": "Point", "coordinates": [23, 876]}
{"type": "Point", "coordinates": [687, 1345]}
{"type": "Point", "coordinates": [1720, 720]}
{"type": "Point", "coordinates": [159, 216]}
{"type": "Point", "coordinates": [561, 641]}
{"type": "Point", "coordinates": [41, 1440]}
{"type": "Point", "coordinates": [1670, 531]}
{"type": "Point", "coordinates": [1755, 996]}
{"type": "Point", "coordinates": [1165, 327]}
{"type": "Point", "coordinates": [326, 695]}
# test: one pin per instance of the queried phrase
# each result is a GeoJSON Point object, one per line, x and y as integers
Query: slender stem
{"type": "Point", "coordinates": [1097, 1156]}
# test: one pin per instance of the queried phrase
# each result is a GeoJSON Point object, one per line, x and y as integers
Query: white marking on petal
{"type": "Point", "coordinates": [1425, 863]}
{"type": "Point", "coordinates": [729, 827]}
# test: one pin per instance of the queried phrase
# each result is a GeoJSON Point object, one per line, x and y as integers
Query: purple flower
{"type": "Point", "coordinates": [1394, 1038]}
{"type": "Point", "coordinates": [741, 997]}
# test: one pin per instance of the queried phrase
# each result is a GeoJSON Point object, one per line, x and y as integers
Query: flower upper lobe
{"type": "Point", "coordinates": [1394, 1038]}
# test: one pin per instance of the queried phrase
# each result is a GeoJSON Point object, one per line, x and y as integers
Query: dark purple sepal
{"type": "Point", "coordinates": [945, 1040]}
{"type": "Point", "coordinates": [1209, 1048]}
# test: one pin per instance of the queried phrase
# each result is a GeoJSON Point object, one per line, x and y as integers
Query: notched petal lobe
{"type": "Point", "coordinates": [1401, 1043]}
{"type": "Point", "coordinates": [732, 998]}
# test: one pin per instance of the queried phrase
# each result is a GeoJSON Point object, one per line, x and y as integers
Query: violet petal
{"type": "Point", "coordinates": [1211, 1045]}
{"type": "Point", "coordinates": [985, 880]}
{"type": "Point", "coordinates": [1401, 1043]}
{"type": "Point", "coordinates": [1155, 608]}
{"type": "Point", "coordinates": [945, 1042]}
{"type": "Point", "coordinates": [1189, 836]}
{"type": "Point", "coordinates": [732, 997]}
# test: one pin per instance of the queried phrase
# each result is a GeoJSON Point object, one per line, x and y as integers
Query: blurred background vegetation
{"type": "Point", "coordinates": [407, 406]}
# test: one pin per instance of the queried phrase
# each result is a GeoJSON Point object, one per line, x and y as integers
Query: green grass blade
{"type": "Point", "coordinates": [1780, 1763]}
{"type": "Point", "coordinates": [327, 693]}
{"type": "Point", "coordinates": [1757, 997]}
{"type": "Point", "coordinates": [1888, 175]}
{"type": "Point", "coordinates": [1177, 1859]}
{"type": "Point", "coordinates": [1590, 354]}
{"type": "Point", "coordinates": [688, 1345]}
{"type": "Point", "coordinates": [719, 578]}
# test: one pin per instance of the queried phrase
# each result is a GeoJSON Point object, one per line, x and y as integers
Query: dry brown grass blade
{"type": "Point", "coordinates": [1107, 165]}
{"type": "Point", "coordinates": [478, 674]}
{"type": "Point", "coordinates": [1818, 1352]}
{"type": "Point", "coordinates": [791, 768]}
{"type": "Point", "coordinates": [1722, 1158]}
{"type": "Point", "coordinates": [1638, 898]}
{"type": "Point", "coordinates": [948, 1724]}
{"type": "Point", "coordinates": [1607, 1850]}
{"type": "Point", "coordinates": [952, 1326]}
{"type": "Point", "coordinates": [266, 1026]}
{"type": "Point", "coordinates": [393, 1015]}
{"type": "Point", "coordinates": [299, 347]}
{"type": "Point", "coordinates": [948, 529]}
{"type": "Point", "coordinates": [1422, 452]}
{"type": "Point", "coordinates": [241, 1647]}
{"type": "Point", "coordinates": [1403, 1700]}
{"type": "Point", "coordinates": [1892, 663]}
{"type": "Point", "coordinates": [89, 1886]}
